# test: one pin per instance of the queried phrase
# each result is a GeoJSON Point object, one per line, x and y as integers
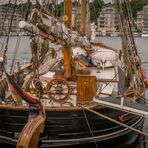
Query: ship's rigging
{"type": "Point", "coordinates": [54, 30]}
{"type": "Point", "coordinates": [87, 84]}
{"type": "Point", "coordinates": [129, 49]}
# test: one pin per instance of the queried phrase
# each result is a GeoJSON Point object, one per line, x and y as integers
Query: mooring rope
{"type": "Point", "coordinates": [115, 121]}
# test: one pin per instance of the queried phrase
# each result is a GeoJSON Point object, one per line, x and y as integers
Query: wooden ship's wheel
{"type": "Point", "coordinates": [34, 86]}
{"type": "Point", "coordinates": [58, 90]}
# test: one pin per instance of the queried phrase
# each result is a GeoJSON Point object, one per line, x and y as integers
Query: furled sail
{"type": "Point", "coordinates": [56, 31]}
{"type": "Point", "coordinates": [88, 24]}
{"type": "Point", "coordinates": [49, 27]}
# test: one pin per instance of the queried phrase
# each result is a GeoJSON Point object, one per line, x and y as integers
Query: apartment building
{"type": "Point", "coordinates": [107, 20]}
{"type": "Point", "coordinates": [7, 18]}
{"type": "Point", "coordinates": [76, 18]}
{"type": "Point", "coordinates": [142, 19]}
{"type": "Point", "coordinates": [145, 18]}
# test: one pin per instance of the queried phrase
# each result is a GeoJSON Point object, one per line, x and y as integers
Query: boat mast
{"type": "Point", "coordinates": [88, 23]}
{"type": "Point", "coordinates": [67, 50]}
{"type": "Point", "coordinates": [85, 26]}
{"type": "Point", "coordinates": [124, 37]}
{"type": "Point", "coordinates": [83, 16]}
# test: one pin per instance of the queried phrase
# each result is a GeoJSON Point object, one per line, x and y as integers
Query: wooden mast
{"type": "Point", "coordinates": [83, 16]}
{"type": "Point", "coordinates": [67, 50]}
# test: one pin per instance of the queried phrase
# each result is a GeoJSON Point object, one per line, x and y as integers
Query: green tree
{"type": "Point", "coordinates": [137, 5]}
{"type": "Point", "coordinates": [95, 8]}
{"type": "Point", "coordinates": [23, 8]}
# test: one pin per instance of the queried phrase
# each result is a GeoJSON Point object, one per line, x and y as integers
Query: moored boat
{"type": "Point", "coordinates": [57, 89]}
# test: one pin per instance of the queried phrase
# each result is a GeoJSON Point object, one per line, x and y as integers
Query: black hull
{"type": "Point", "coordinates": [69, 128]}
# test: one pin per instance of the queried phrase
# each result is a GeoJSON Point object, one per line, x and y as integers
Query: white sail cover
{"type": "Point", "coordinates": [49, 26]}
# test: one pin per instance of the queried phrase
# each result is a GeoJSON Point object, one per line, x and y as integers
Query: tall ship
{"type": "Point", "coordinates": [53, 100]}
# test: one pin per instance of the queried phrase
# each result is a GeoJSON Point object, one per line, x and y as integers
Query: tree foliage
{"type": "Point", "coordinates": [137, 5]}
{"type": "Point", "coordinates": [23, 8]}
{"type": "Point", "coordinates": [95, 9]}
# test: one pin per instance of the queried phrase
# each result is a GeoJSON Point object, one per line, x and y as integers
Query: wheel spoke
{"type": "Point", "coordinates": [53, 95]}
{"type": "Point", "coordinates": [60, 97]}
{"type": "Point", "coordinates": [54, 86]}
{"type": "Point", "coordinates": [53, 91]}
{"type": "Point", "coordinates": [58, 90]}
{"type": "Point", "coordinates": [65, 89]}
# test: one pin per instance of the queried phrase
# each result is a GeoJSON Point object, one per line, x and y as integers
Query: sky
{"type": "Point", "coordinates": [6, 1]}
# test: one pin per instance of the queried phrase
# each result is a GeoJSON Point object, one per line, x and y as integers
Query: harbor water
{"type": "Point", "coordinates": [24, 55]}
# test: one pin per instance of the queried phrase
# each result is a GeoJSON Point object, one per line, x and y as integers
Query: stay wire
{"type": "Point", "coordinates": [123, 32]}
{"type": "Point", "coordinates": [130, 40]}
{"type": "Point", "coordinates": [130, 34]}
{"type": "Point", "coordinates": [5, 16]}
{"type": "Point", "coordinates": [26, 13]}
{"type": "Point", "coordinates": [89, 127]}
{"type": "Point", "coordinates": [15, 54]}
{"type": "Point", "coordinates": [10, 27]}
{"type": "Point", "coordinates": [95, 10]}
{"type": "Point", "coordinates": [128, 20]}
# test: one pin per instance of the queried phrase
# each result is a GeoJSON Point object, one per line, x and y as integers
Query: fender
{"type": "Point", "coordinates": [143, 75]}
